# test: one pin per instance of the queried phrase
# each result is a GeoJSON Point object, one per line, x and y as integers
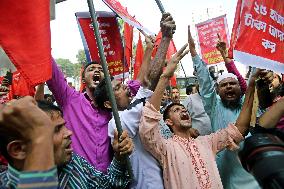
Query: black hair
{"type": "Point", "coordinates": [85, 67]}
{"type": "Point", "coordinates": [9, 135]}
{"type": "Point", "coordinates": [48, 107]}
{"type": "Point", "coordinates": [168, 108]}
{"type": "Point", "coordinates": [101, 95]}
{"type": "Point", "coordinates": [189, 89]}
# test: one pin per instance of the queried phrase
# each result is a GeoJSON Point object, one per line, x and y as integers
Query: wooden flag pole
{"type": "Point", "coordinates": [107, 76]}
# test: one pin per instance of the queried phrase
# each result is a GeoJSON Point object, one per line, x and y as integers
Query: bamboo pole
{"type": "Point", "coordinates": [107, 77]}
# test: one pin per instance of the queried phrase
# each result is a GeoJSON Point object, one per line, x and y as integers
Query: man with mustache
{"type": "Point", "coordinates": [223, 105]}
{"type": "Point", "coordinates": [73, 170]}
{"type": "Point", "coordinates": [83, 117]}
{"type": "Point", "coordinates": [188, 162]}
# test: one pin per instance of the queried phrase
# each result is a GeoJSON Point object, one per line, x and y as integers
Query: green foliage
{"type": "Point", "coordinates": [81, 57]}
{"type": "Point", "coordinates": [68, 68]}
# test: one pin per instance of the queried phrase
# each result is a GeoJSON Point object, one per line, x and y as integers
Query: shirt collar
{"type": "Point", "coordinates": [13, 176]}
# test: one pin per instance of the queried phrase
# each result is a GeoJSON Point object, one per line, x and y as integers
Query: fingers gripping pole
{"type": "Point", "coordinates": [108, 81]}
{"type": "Point", "coordinates": [162, 9]}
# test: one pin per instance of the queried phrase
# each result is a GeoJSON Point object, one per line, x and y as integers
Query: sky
{"type": "Point", "coordinates": [66, 40]}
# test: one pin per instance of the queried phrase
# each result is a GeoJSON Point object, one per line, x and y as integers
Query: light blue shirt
{"type": "Point", "coordinates": [146, 168]}
{"type": "Point", "coordinates": [233, 175]}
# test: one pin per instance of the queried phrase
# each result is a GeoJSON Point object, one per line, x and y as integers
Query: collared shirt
{"type": "Point", "coordinates": [233, 175]}
{"type": "Point", "coordinates": [29, 180]}
{"type": "Point", "coordinates": [146, 169]}
{"type": "Point", "coordinates": [87, 122]}
{"type": "Point", "coordinates": [186, 163]}
{"type": "Point", "coordinates": [78, 173]}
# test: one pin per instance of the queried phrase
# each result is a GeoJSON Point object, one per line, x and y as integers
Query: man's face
{"type": "Point", "coordinates": [93, 75]}
{"type": "Point", "coordinates": [61, 140]}
{"type": "Point", "coordinates": [230, 92]}
{"type": "Point", "coordinates": [180, 117]}
{"type": "Point", "coordinates": [175, 96]}
{"type": "Point", "coordinates": [122, 94]}
{"type": "Point", "coordinates": [165, 97]}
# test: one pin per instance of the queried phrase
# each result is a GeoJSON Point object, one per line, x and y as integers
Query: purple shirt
{"type": "Point", "coordinates": [88, 123]}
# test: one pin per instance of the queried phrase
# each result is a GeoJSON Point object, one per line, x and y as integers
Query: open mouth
{"type": "Point", "coordinates": [184, 116]}
{"type": "Point", "coordinates": [230, 94]}
{"type": "Point", "coordinates": [68, 146]}
{"type": "Point", "coordinates": [96, 78]}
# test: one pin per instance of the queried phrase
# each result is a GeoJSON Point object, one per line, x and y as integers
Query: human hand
{"type": "Point", "coordinates": [190, 39]}
{"type": "Point", "coordinates": [150, 41]}
{"type": "Point", "coordinates": [122, 146]}
{"type": "Point", "coordinates": [167, 25]}
{"type": "Point", "coordinates": [222, 47]}
{"type": "Point", "coordinates": [25, 117]}
{"type": "Point", "coordinates": [172, 65]}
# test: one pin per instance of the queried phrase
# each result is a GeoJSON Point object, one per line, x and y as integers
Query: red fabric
{"type": "Point", "coordinates": [20, 87]}
{"type": "Point", "coordinates": [138, 57]}
{"type": "Point", "coordinates": [25, 37]}
{"type": "Point", "coordinates": [128, 38]}
{"type": "Point", "coordinates": [3, 161]}
{"type": "Point", "coordinates": [171, 51]}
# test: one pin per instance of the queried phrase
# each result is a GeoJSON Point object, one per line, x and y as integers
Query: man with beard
{"type": "Point", "coordinates": [189, 162]}
{"type": "Point", "coordinates": [223, 106]}
{"type": "Point", "coordinates": [73, 170]}
{"type": "Point", "coordinates": [83, 117]}
{"type": "Point", "coordinates": [175, 96]}
{"type": "Point", "coordinates": [146, 169]}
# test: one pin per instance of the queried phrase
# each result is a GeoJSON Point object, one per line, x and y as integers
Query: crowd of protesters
{"type": "Point", "coordinates": [171, 143]}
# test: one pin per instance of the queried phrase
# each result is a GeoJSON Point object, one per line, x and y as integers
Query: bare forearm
{"type": "Point", "coordinates": [159, 62]}
{"type": "Point", "coordinates": [156, 98]}
{"type": "Point", "coordinates": [243, 121]}
{"type": "Point", "coordinates": [144, 70]}
{"type": "Point", "coordinates": [271, 117]}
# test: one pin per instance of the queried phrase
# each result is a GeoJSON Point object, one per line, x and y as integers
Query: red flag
{"type": "Point", "coordinates": [128, 38]}
{"type": "Point", "coordinates": [171, 51]}
{"type": "Point", "coordinates": [138, 57]}
{"type": "Point", "coordinates": [25, 37]}
{"type": "Point", "coordinates": [20, 87]}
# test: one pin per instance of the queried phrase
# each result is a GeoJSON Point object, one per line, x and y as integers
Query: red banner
{"type": "Point", "coordinates": [258, 34]}
{"type": "Point", "coordinates": [207, 37]}
{"type": "Point", "coordinates": [25, 37]}
{"type": "Point", "coordinates": [122, 12]}
{"type": "Point", "coordinates": [111, 38]}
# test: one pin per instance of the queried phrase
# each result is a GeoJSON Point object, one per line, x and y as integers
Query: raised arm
{"type": "Point", "coordinates": [243, 121]}
{"type": "Point", "coordinates": [206, 83]}
{"type": "Point", "coordinates": [149, 128]}
{"type": "Point", "coordinates": [144, 70]}
{"type": "Point", "coordinates": [58, 86]}
{"type": "Point", "coordinates": [272, 116]}
{"type": "Point", "coordinates": [229, 63]}
{"type": "Point", "coordinates": [167, 28]}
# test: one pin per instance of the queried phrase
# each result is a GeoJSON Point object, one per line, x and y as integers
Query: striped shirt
{"type": "Point", "coordinates": [29, 180]}
{"type": "Point", "coordinates": [78, 173]}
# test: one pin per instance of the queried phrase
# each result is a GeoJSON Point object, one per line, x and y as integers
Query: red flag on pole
{"type": "Point", "coordinates": [25, 37]}
{"type": "Point", "coordinates": [128, 38]}
{"type": "Point", "coordinates": [138, 57]}
{"type": "Point", "coordinates": [171, 51]}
